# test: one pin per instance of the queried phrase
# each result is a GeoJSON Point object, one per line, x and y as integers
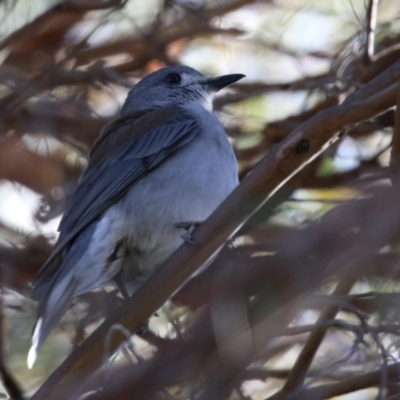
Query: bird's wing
{"type": "Point", "coordinates": [156, 137]}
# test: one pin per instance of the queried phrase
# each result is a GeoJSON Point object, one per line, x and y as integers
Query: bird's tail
{"type": "Point", "coordinates": [51, 308]}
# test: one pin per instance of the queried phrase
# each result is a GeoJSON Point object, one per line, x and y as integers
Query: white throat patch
{"type": "Point", "coordinates": [207, 102]}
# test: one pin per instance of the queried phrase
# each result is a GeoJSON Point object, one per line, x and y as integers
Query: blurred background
{"type": "Point", "coordinates": [65, 70]}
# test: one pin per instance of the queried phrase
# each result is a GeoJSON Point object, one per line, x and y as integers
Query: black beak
{"type": "Point", "coordinates": [218, 83]}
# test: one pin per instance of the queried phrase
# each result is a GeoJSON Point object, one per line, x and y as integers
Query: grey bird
{"type": "Point", "coordinates": [163, 165]}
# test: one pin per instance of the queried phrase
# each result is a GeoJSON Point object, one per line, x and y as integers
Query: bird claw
{"type": "Point", "coordinates": [189, 227]}
{"type": "Point", "coordinates": [187, 238]}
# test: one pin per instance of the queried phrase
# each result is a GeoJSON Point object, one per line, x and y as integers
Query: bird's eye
{"type": "Point", "coordinates": [174, 78]}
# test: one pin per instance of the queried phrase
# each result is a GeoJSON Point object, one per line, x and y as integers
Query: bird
{"type": "Point", "coordinates": [155, 172]}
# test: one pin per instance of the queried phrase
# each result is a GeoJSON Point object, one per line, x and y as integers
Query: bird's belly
{"type": "Point", "coordinates": [185, 189]}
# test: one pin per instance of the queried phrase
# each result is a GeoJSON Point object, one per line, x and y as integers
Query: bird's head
{"type": "Point", "coordinates": [178, 85]}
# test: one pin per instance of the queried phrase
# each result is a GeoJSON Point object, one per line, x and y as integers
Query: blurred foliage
{"type": "Point", "coordinates": [65, 69]}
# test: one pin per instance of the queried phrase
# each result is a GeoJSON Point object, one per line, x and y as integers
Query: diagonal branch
{"type": "Point", "coordinates": [372, 11]}
{"type": "Point", "coordinates": [395, 154]}
{"type": "Point", "coordinates": [302, 146]}
{"type": "Point", "coordinates": [306, 357]}
{"type": "Point", "coordinates": [365, 381]}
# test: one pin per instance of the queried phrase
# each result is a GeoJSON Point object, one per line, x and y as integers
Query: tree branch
{"type": "Point", "coordinates": [304, 144]}
{"type": "Point", "coordinates": [306, 357]}
{"type": "Point", "coordinates": [372, 11]}
{"type": "Point", "coordinates": [371, 379]}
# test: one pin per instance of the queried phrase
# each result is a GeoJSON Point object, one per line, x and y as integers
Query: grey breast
{"type": "Point", "coordinates": [187, 187]}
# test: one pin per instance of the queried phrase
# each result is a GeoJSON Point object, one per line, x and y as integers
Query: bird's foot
{"type": "Point", "coordinates": [189, 227]}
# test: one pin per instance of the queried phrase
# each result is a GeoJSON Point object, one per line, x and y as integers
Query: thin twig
{"type": "Point", "coordinates": [384, 376]}
{"type": "Point", "coordinates": [343, 325]}
{"type": "Point", "coordinates": [365, 381]}
{"type": "Point", "coordinates": [303, 362]}
{"type": "Point", "coordinates": [395, 154]}
{"type": "Point", "coordinates": [372, 11]}
{"type": "Point", "coordinates": [11, 386]}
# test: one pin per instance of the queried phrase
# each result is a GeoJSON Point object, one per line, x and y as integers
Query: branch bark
{"type": "Point", "coordinates": [302, 146]}
{"type": "Point", "coordinates": [303, 362]}
{"type": "Point", "coordinates": [372, 11]}
{"type": "Point", "coordinates": [365, 381]}
{"type": "Point", "coordinates": [395, 154]}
